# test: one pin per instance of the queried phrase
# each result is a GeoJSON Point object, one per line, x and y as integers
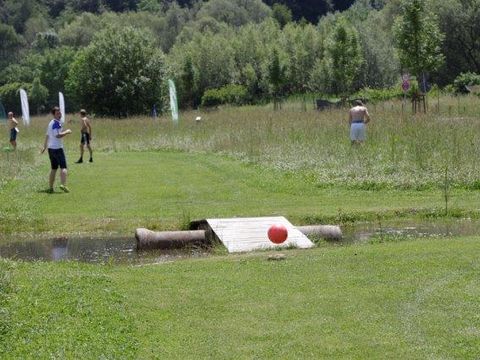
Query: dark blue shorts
{"type": "Point", "coordinates": [13, 134]}
{"type": "Point", "coordinates": [85, 139]}
{"type": "Point", "coordinates": [57, 158]}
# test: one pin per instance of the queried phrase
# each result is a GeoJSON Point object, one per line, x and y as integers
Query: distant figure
{"type": "Point", "coordinates": [54, 143]}
{"type": "Point", "coordinates": [358, 117]}
{"type": "Point", "coordinates": [86, 131]}
{"type": "Point", "coordinates": [13, 123]}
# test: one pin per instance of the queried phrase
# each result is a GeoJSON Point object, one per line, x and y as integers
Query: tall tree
{"type": "Point", "coordinates": [343, 58]}
{"type": "Point", "coordinates": [311, 10]}
{"type": "Point", "coordinates": [282, 14]}
{"type": "Point", "coordinates": [460, 21]}
{"type": "Point", "coordinates": [418, 38]}
{"type": "Point", "coordinates": [38, 95]}
{"type": "Point", "coordinates": [120, 73]}
{"type": "Point", "coordinates": [10, 43]}
{"type": "Point", "coordinates": [276, 77]}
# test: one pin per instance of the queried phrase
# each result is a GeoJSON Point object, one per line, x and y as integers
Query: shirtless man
{"type": "Point", "coordinates": [86, 131]}
{"type": "Point", "coordinates": [13, 123]}
{"type": "Point", "coordinates": [358, 117]}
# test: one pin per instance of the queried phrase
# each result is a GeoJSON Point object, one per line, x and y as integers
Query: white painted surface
{"type": "Point", "coordinates": [248, 234]}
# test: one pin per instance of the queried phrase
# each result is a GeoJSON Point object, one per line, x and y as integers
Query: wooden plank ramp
{"type": "Point", "coordinates": [248, 234]}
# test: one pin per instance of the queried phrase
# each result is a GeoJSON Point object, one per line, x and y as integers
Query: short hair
{"type": "Point", "coordinates": [83, 112]}
{"type": "Point", "coordinates": [10, 113]}
{"type": "Point", "coordinates": [358, 102]}
{"type": "Point", "coordinates": [55, 109]}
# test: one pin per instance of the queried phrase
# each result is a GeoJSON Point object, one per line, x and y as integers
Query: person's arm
{"type": "Point", "coordinates": [15, 121]}
{"type": "Point", "coordinates": [89, 127]}
{"type": "Point", "coordinates": [63, 133]}
{"type": "Point", "coordinates": [367, 116]}
{"type": "Point", "coordinates": [45, 144]}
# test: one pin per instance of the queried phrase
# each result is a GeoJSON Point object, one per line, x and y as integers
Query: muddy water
{"type": "Point", "coordinates": [404, 230]}
{"type": "Point", "coordinates": [123, 250]}
{"type": "Point", "coordinates": [93, 250]}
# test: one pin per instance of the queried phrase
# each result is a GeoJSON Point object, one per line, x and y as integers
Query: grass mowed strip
{"type": "Point", "coordinates": [413, 299]}
{"type": "Point", "coordinates": [62, 311]}
{"type": "Point", "coordinates": [162, 190]}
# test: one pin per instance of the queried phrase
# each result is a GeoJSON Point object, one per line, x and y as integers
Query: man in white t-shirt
{"type": "Point", "coordinates": [54, 143]}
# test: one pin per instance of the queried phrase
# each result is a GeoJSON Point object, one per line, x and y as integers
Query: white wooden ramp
{"type": "Point", "coordinates": [247, 234]}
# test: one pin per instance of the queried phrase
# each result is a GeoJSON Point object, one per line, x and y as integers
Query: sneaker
{"type": "Point", "coordinates": [79, 161]}
{"type": "Point", "coordinates": [91, 160]}
{"type": "Point", "coordinates": [64, 188]}
{"type": "Point", "coordinates": [49, 191]}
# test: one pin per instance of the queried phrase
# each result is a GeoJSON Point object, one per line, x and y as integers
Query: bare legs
{"type": "Point", "coordinates": [82, 150]}
{"type": "Point", "coordinates": [63, 177]}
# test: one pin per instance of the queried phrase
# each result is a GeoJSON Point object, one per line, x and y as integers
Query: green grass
{"type": "Point", "coordinates": [394, 299]}
{"type": "Point", "coordinates": [121, 191]}
{"type": "Point", "coordinates": [62, 311]}
{"type": "Point", "coordinates": [402, 151]}
{"type": "Point", "coordinates": [413, 299]}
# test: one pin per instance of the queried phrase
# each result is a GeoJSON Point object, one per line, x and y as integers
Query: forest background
{"type": "Point", "coordinates": [114, 57]}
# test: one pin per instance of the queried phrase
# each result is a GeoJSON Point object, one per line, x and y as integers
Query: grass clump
{"type": "Point", "coordinates": [65, 311]}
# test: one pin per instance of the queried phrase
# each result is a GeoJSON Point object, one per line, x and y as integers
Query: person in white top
{"type": "Point", "coordinates": [357, 117]}
{"type": "Point", "coordinates": [54, 143]}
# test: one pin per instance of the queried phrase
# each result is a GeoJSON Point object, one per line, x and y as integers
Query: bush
{"type": "Point", "coordinates": [229, 94]}
{"type": "Point", "coordinates": [465, 79]}
{"type": "Point", "coordinates": [120, 73]}
{"type": "Point", "coordinates": [377, 95]}
{"type": "Point", "coordinates": [212, 97]}
{"type": "Point", "coordinates": [10, 96]}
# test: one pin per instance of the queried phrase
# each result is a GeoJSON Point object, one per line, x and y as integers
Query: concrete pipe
{"type": "Point", "coordinates": [147, 239]}
{"type": "Point", "coordinates": [328, 232]}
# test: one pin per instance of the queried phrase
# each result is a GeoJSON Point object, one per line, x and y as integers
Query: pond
{"type": "Point", "coordinates": [123, 249]}
{"type": "Point", "coordinates": [93, 250]}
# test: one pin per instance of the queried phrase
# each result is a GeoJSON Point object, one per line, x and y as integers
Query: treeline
{"type": "Point", "coordinates": [114, 56]}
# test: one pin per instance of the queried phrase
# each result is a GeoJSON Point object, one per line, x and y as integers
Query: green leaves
{"type": "Point", "coordinates": [342, 60]}
{"type": "Point", "coordinates": [120, 73]}
{"type": "Point", "coordinates": [418, 38]}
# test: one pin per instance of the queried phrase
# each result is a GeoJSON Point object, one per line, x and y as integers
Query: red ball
{"type": "Point", "coordinates": [277, 234]}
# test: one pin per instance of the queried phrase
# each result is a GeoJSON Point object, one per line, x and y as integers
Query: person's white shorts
{"type": "Point", "coordinates": [357, 132]}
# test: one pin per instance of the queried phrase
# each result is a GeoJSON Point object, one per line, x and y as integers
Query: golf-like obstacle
{"type": "Point", "coordinates": [237, 234]}
{"type": "Point", "coordinates": [248, 234]}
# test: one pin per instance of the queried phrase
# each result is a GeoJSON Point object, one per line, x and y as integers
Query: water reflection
{"type": "Point", "coordinates": [123, 250]}
{"type": "Point", "coordinates": [378, 231]}
{"type": "Point", "coordinates": [89, 249]}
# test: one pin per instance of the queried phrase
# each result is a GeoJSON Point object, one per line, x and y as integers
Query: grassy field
{"type": "Point", "coordinates": [248, 161]}
{"type": "Point", "coordinates": [408, 300]}
{"type": "Point", "coordinates": [165, 190]}
{"type": "Point", "coordinates": [411, 299]}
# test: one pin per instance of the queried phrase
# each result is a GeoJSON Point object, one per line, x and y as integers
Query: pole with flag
{"type": "Point", "coordinates": [154, 112]}
{"type": "Point", "coordinates": [173, 101]}
{"type": "Point", "coordinates": [61, 104]}
{"type": "Point", "coordinates": [25, 108]}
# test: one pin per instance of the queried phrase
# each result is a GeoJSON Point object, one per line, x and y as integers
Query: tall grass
{"type": "Point", "coordinates": [402, 151]}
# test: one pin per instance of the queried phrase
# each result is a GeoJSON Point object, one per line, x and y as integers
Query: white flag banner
{"type": "Point", "coordinates": [25, 109]}
{"type": "Point", "coordinates": [61, 104]}
{"type": "Point", "coordinates": [3, 114]}
{"type": "Point", "coordinates": [173, 101]}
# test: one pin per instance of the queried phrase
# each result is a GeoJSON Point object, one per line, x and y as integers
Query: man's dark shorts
{"type": "Point", "coordinates": [13, 134]}
{"type": "Point", "coordinates": [57, 158]}
{"type": "Point", "coordinates": [85, 139]}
